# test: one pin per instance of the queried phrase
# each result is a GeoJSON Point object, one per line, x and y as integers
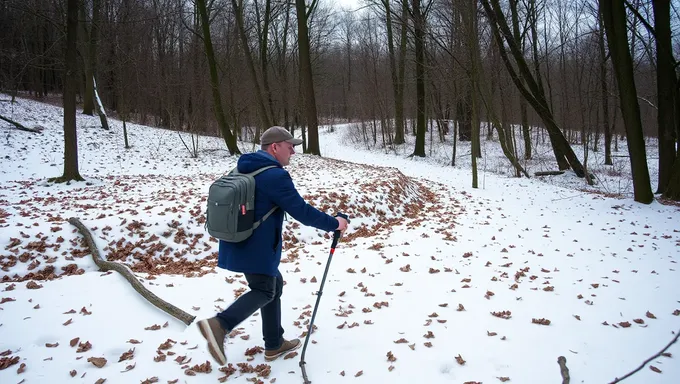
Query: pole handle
{"type": "Point", "coordinates": [338, 234]}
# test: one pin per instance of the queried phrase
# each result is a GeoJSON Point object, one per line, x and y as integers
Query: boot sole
{"type": "Point", "coordinates": [214, 350]}
{"type": "Point", "coordinates": [274, 357]}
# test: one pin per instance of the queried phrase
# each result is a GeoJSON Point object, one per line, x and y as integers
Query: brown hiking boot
{"type": "Point", "coordinates": [213, 332]}
{"type": "Point", "coordinates": [286, 346]}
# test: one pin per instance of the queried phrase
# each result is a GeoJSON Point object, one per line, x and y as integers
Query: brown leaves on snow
{"type": "Point", "coordinates": [7, 361]}
{"type": "Point", "coordinates": [503, 314]}
{"type": "Point", "coordinates": [98, 362]}
{"type": "Point", "coordinates": [540, 321]}
{"type": "Point", "coordinates": [129, 355]}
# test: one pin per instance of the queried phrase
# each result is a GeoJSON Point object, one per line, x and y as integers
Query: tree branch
{"type": "Point", "coordinates": [20, 126]}
{"type": "Point", "coordinates": [127, 274]}
{"type": "Point", "coordinates": [648, 360]}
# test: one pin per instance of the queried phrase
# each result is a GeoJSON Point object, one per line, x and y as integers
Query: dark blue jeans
{"type": "Point", "coordinates": [265, 295]}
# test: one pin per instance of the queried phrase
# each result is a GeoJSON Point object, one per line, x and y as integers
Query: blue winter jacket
{"type": "Point", "coordinates": [261, 252]}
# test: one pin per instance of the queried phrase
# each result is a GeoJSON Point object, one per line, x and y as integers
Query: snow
{"type": "Point", "coordinates": [421, 240]}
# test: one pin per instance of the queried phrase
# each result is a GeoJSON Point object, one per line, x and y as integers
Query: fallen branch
{"type": "Point", "coordinates": [548, 173]}
{"type": "Point", "coordinates": [127, 273]}
{"type": "Point", "coordinates": [677, 334]}
{"type": "Point", "coordinates": [20, 126]}
{"type": "Point", "coordinates": [564, 371]}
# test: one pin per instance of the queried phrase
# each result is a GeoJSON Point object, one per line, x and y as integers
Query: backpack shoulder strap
{"type": "Point", "coordinates": [257, 172]}
{"type": "Point", "coordinates": [254, 173]}
{"type": "Point", "coordinates": [265, 217]}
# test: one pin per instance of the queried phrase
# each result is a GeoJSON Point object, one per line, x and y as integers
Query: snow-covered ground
{"type": "Point", "coordinates": [412, 288]}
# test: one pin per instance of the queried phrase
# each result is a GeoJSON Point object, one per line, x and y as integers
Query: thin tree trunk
{"type": "Point", "coordinates": [229, 138]}
{"type": "Point", "coordinates": [398, 99]}
{"type": "Point", "coordinates": [614, 16]}
{"type": "Point", "coordinates": [419, 33]}
{"type": "Point", "coordinates": [534, 94]}
{"type": "Point", "coordinates": [265, 120]}
{"type": "Point", "coordinates": [519, 37]}
{"type": "Point", "coordinates": [100, 107]}
{"type": "Point", "coordinates": [307, 77]}
{"type": "Point", "coordinates": [666, 82]}
{"type": "Point", "coordinates": [472, 36]}
{"type": "Point", "coordinates": [604, 95]}
{"type": "Point", "coordinates": [70, 87]}
{"type": "Point", "coordinates": [89, 47]}
{"type": "Point", "coordinates": [673, 187]}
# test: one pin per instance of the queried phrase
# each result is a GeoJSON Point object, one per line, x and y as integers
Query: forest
{"type": "Point", "coordinates": [584, 73]}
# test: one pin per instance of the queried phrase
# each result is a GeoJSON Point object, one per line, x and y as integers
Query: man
{"type": "Point", "coordinates": [258, 257]}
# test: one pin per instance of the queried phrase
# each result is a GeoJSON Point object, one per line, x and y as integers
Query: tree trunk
{"type": "Point", "coordinates": [419, 32]}
{"type": "Point", "coordinates": [399, 137]}
{"type": "Point", "coordinates": [20, 126]}
{"type": "Point", "coordinates": [229, 138]}
{"type": "Point", "coordinates": [534, 94]}
{"type": "Point", "coordinates": [604, 89]}
{"type": "Point", "coordinates": [673, 187]}
{"type": "Point", "coordinates": [519, 37]}
{"type": "Point", "coordinates": [666, 83]}
{"type": "Point", "coordinates": [100, 107]}
{"type": "Point", "coordinates": [399, 109]}
{"type": "Point", "coordinates": [397, 70]}
{"type": "Point", "coordinates": [104, 265]}
{"type": "Point", "coordinates": [472, 38]}
{"type": "Point", "coordinates": [70, 87]}
{"type": "Point", "coordinates": [307, 77]}
{"type": "Point", "coordinates": [263, 113]}
{"type": "Point", "coordinates": [614, 16]}
{"type": "Point", "coordinates": [89, 47]}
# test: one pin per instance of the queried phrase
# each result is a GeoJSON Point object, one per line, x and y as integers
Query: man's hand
{"type": "Point", "coordinates": [342, 224]}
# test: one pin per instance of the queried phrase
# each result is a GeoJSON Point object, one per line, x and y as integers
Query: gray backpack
{"type": "Point", "coordinates": [231, 206]}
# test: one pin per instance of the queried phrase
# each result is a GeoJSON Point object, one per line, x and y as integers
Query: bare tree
{"type": "Point", "coordinates": [533, 92]}
{"type": "Point", "coordinates": [418, 14]}
{"type": "Point", "coordinates": [667, 91]}
{"type": "Point", "coordinates": [614, 17]}
{"type": "Point", "coordinates": [71, 172]}
{"type": "Point", "coordinates": [260, 91]}
{"type": "Point", "coordinates": [306, 76]}
{"type": "Point", "coordinates": [229, 138]}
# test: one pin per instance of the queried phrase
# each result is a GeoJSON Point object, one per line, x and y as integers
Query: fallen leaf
{"type": "Point", "coordinates": [50, 345]}
{"type": "Point", "coordinates": [74, 341]}
{"type": "Point", "coordinates": [22, 369]}
{"type": "Point", "coordinates": [97, 361]}
{"type": "Point", "coordinates": [84, 347]}
{"type": "Point", "coordinates": [359, 373]}
{"type": "Point", "coordinates": [100, 381]}
{"type": "Point", "coordinates": [73, 373]}
{"type": "Point", "coordinates": [129, 355]}
{"type": "Point", "coordinates": [650, 315]}
{"type": "Point", "coordinates": [69, 321]}
{"type": "Point", "coordinates": [129, 367]}
{"type": "Point", "coordinates": [459, 360]}
{"type": "Point", "coordinates": [655, 369]}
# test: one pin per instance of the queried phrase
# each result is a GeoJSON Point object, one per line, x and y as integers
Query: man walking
{"type": "Point", "coordinates": [258, 257]}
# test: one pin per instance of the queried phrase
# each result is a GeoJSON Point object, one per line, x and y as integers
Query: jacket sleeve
{"type": "Point", "coordinates": [283, 193]}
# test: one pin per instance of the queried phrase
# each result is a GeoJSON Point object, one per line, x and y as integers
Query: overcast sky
{"type": "Point", "coordinates": [351, 4]}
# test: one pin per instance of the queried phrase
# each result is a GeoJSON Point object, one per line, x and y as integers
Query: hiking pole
{"type": "Point", "coordinates": [336, 237]}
